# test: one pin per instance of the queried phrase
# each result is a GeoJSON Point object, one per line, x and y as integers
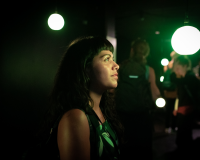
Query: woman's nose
{"type": "Point", "coordinates": [116, 66]}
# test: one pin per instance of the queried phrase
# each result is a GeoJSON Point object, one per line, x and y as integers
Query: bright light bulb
{"type": "Point", "coordinates": [56, 21]}
{"type": "Point", "coordinates": [186, 40]}
{"type": "Point", "coordinates": [164, 62]}
{"type": "Point", "coordinates": [160, 102]}
{"type": "Point", "coordinates": [162, 78]}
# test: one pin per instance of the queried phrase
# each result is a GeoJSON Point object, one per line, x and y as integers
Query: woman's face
{"type": "Point", "coordinates": [180, 70]}
{"type": "Point", "coordinates": [104, 71]}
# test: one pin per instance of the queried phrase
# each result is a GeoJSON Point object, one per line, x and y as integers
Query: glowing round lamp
{"type": "Point", "coordinates": [161, 78]}
{"type": "Point", "coordinates": [186, 40]}
{"type": "Point", "coordinates": [56, 21]}
{"type": "Point", "coordinates": [164, 62]}
{"type": "Point", "coordinates": [160, 102]}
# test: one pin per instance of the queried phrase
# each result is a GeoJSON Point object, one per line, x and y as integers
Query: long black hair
{"type": "Point", "coordinates": [71, 85]}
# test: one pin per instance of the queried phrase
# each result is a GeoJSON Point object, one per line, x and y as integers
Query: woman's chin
{"type": "Point", "coordinates": [113, 87]}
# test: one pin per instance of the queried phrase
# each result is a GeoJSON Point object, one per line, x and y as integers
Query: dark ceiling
{"type": "Point", "coordinates": [143, 18]}
{"type": "Point", "coordinates": [147, 16]}
{"type": "Point", "coordinates": [28, 39]}
{"type": "Point", "coordinates": [132, 18]}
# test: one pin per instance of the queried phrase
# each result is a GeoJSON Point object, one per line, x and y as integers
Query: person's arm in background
{"type": "Point", "coordinates": [165, 68]}
{"type": "Point", "coordinates": [154, 89]}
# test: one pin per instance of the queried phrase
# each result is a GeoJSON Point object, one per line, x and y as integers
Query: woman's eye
{"type": "Point", "coordinates": [107, 58]}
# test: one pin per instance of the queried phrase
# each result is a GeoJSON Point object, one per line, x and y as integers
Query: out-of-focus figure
{"type": "Point", "coordinates": [135, 97]}
{"type": "Point", "coordinates": [188, 87]}
{"type": "Point", "coordinates": [196, 69]}
{"type": "Point", "coordinates": [170, 94]}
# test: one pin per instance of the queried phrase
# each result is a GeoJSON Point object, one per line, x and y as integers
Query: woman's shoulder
{"type": "Point", "coordinates": [74, 116]}
{"type": "Point", "coordinates": [73, 135]}
{"type": "Point", "coordinates": [73, 125]}
{"type": "Point", "coordinates": [74, 120]}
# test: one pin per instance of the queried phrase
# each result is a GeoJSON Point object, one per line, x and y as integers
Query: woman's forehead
{"type": "Point", "coordinates": [105, 52]}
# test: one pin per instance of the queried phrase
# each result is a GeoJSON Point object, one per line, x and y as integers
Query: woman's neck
{"type": "Point", "coordinates": [96, 97]}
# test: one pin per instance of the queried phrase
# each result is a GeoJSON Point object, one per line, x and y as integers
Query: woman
{"type": "Point", "coordinates": [188, 87]}
{"type": "Point", "coordinates": [81, 91]}
{"type": "Point", "coordinates": [170, 94]}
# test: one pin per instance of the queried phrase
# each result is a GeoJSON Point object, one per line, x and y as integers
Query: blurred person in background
{"type": "Point", "coordinates": [188, 87]}
{"type": "Point", "coordinates": [135, 97]}
{"type": "Point", "coordinates": [170, 94]}
{"type": "Point", "coordinates": [196, 69]}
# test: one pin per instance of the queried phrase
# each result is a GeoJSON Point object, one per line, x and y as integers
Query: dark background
{"type": "Point", "coordinates": [31, 51]}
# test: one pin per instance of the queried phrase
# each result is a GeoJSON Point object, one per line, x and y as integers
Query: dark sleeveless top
{"type": "Point", "coordinates": [103, 142]}
{"type": "Point", "coordinates": [103, 139]}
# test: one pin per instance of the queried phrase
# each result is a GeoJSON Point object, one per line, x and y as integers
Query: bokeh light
{"type": "Point", "coordinates": [160, 102]}
{"type": "Point", "coordinates": [164, 62]}
{"type": "Point", "coordinates": [157, 32]}
{"type": "Point", "coordinates": [161, 78]}
{"type": "Point", "coordinates": [186, 40]}
{"type": "Point", "coordinates": [56, 21]}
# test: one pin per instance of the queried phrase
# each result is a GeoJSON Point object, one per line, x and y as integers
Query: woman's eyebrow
{"type": "Point", "coordinates": [106, 55]}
